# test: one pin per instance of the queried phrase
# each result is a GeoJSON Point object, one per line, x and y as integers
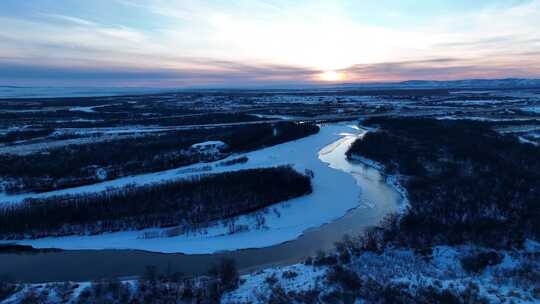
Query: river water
{"type": "Point", "coordinates": [376, 201]}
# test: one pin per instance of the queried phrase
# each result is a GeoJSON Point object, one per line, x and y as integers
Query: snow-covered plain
{"type": "Point", "coordinates": [91, 109]}
{"type": "Point", "coordinates": [334, 193]}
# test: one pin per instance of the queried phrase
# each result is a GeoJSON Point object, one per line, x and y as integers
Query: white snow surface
{"type": "Point", "coordinates": [334, 193]}
{"type": "Point", "coordinates": [255, 286]}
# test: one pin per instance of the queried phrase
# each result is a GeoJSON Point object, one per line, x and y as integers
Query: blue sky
{"type": "Point", "coordinates": [243, 43]}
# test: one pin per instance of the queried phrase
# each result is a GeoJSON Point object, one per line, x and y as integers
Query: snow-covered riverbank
{"type": "Point", "coordinates": [513, 279]}
{"type": "Point", "coordinates": [335, 192]}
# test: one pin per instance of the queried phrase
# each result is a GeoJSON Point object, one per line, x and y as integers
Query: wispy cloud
{"type": "Point", "coordinates": [238, 42]}
{"type": "Point", "coordinates": [443, 69]}
{"type": "Point", "coordinates": [70, 20]}
{"type": "Point", "coordinates": [207, 73]}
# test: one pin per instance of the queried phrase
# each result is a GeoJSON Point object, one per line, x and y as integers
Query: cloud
{"type": "Point", "coordinates": [443, 69]}
{"type": "Point", "coordinates": [220, 73]}
{"type": "Point", "coordinates": [324, 35]}
{"type": "Point", "coordinates": [209, 73]}
{"type": "Point", "coordinates": [71, 20]}
{"type": "Point", "coordinates": [266, 41]}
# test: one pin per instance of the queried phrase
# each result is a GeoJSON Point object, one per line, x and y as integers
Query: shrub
{"type": "Point", "coordinates": [477, 263]}
{"type": "Point", "coordinates": [344, 277]}
{"type": "Point", "coordinates": [226, 274]}
{"type": "Point", "coordinates": [106, 291]}
{"type": "Point", "coordinates": [289, 274]}
{"type": "Point", "coordinates": [271, 280]}
{"type": "Point", "coordinates": [6, 288]}
{"type": "Point", "coordinates": [323, 259]}
{"type": "Point", "coordinates": [431, 295]}
{"type": "Point", "coordinates": [239, 160]}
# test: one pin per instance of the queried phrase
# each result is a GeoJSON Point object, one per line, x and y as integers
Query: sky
{"type": "Point", "coordinates": [245, 43]}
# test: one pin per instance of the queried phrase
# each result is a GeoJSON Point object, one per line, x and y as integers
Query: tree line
{"type": "Point", "coordinates": [465, 182]}
{"type": "Point", "coordinates": [18, 135]}
{"type": "Point", "coordinates": [186, 202]}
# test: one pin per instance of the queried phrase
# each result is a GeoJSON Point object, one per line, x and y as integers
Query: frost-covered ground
{"type": "Point", "coordinates": [257, 287]}
{"type": "Point", "coordinates": [514, 280]}
{"type": "Point", "coordinates": [334, 193]}
{"type": "Point", "coordinates": [48, 293]}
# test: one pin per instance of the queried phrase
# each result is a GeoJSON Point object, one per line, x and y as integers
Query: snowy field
{"type": "Point", "coordinates": [334, 193]}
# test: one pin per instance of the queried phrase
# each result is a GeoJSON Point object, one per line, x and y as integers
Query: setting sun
{"type": "Point", "coordinates": [332, 76]}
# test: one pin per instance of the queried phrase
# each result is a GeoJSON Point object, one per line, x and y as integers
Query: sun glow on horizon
{"type": "Point", "coordinates": [332, 76]}
{"type": "Point", "coordinates": [206, 43]}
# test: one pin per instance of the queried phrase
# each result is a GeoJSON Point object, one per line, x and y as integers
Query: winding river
{"type": "Point", "coordinates": [377, 199]}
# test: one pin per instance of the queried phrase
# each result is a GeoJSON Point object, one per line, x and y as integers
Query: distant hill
{"type": "Point", "coordinates": [7, 91]}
